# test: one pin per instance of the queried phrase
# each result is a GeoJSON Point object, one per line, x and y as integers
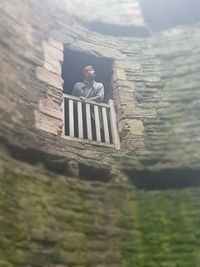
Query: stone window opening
{"type": "Point", "coordinates": [75, 61]}
{"type": "Point", "coordinates": [88, 121]}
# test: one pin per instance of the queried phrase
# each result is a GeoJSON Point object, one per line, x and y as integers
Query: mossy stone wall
{"type": "Point", "coordinates": [50, 220]}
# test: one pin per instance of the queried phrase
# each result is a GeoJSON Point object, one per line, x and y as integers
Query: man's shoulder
{"type": "Point", "coordinates": [98, 85]}
{"type": "Point", "coordinates": [78, 84]}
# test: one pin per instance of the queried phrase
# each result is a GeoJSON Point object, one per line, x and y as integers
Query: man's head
{"type": "Point", "coordinates": [89, 73]}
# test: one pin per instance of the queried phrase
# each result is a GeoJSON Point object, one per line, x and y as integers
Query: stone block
{"type": "Point", "coordinates": [48, 124]}
{"type": "Point", "coordinates": [56, 44]}
{"type": "Point", "coordinates": [98, 50]}
{"type": "Point", "coordinates": [48, 116]}
{"type": "Point", "coordinates": [128, 126]}
{"type": "Point", "coordinates": [50, 107]}
{"type": "Point", "coordinates": [152, 78]}
{"type": "Point", "coordinates": [49, 77]}
{"type": "Point", "coordinates": [52, 51]}
{"type": "Point", "coordinates": [127, 85]}
{"type": "Point", "coordinates": [73, 168]}
{"type": "Point", "coordinates": [122, 97]}
{"type": "Point", "coordinates": [52, 65]}
{"type": "Point", "coordinates": [133, 144]}
{"type": "Point", "coordinates": [118, 74]}
{"type": "Point", "coordinates": [127, 65]}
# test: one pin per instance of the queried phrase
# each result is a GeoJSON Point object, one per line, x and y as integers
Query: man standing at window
{"type": "Point", "coordinates": [89, 89]}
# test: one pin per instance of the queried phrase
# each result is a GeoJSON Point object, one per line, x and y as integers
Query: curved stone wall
{"type": "Point", "coordinates": [152, 117]}
{"type": "Point", "coordinates": [112, 12]}
{"type": "Point", "coordinates": [85, 205]}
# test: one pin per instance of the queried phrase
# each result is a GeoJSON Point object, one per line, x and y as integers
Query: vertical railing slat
{"type": "Point", "coordinates": [113, 122]}
{"type": "Point", "coordinates": [64, 114]}
{"type": "Point", "coordinates": [71, 118]}
{"type": "Point", "coordinates": [105, 125]}
{"type": "Point", "coordinates": [88, 120]}
{"type": "Point", "coordinates": [80, 120]}
{"type": "Point", "coordinates": [97, 123]}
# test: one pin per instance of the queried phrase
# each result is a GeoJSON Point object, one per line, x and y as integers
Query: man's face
{"type": "Point", "coordinates": [89, 73]}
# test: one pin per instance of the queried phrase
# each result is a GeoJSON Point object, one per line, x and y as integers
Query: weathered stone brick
{"type": "Point", "coordinates": [49, 77]}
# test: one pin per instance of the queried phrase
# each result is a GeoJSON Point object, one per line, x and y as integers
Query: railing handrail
{"type": "Point", "coordinates": [86, 101]}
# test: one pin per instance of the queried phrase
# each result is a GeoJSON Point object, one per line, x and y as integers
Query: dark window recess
{"type": "Point", "coordinates": [54, 163]}
{"type": "Point", "coordinates": [88, 120]}
{"type": "Point", "coordinates": [75, 61]}
{"type": "Point", "coordinates": [164, 179]}
{"type": "Point", "coordinates": [95, 173]}
{"type": "Point", "coordinates": [164, 14]}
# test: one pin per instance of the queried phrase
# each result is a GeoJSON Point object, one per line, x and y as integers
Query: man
{"type": "Point", "coordinates": [89, 89]}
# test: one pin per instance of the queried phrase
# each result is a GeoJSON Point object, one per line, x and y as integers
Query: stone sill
{"type": "Point", "coordinates": [86, 141]}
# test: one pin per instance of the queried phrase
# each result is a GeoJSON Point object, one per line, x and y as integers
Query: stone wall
{"type": "Point", "coordinates": [78, 204]}
{"type": "Point", "coordinates": [162, 75]}
{"type": "Point", "coordinates": [120, 13]}
{"type": "Point", "coordinates": [31, 101]}
{"type": "Point", "coordinates": [51, 220]}
{"type": "Point", "coordinates": [31, 84]}
{"type": "Point", "coordinates": [152, 119]}
{"type": "Point", "coordinates": [174, 135]}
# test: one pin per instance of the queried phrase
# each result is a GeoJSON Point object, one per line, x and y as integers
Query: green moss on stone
{"type": "Point", "coordinates": [48, 220]}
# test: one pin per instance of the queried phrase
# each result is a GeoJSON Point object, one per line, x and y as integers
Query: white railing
{"type": "Point", "coordinates": [87, 120]}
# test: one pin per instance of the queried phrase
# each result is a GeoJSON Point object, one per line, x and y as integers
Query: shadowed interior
{"type": "Point", "coordinates": [75, 61]}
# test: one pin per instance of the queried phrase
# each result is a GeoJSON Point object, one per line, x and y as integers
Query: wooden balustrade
{"type": "Point", "coordinates": [92, 121]}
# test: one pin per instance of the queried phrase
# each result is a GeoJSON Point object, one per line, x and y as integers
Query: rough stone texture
{"type": "Point", "coordinates": [120, 12]}
{"type": "Point", "coordinates": [49, 77]}
{"type": "Point", "coordinates": [48, 117]}
{"type": "Point", "coordinates": [82, 221]}
{"type": "Point", "coordinates": [142, 84]}
{"type": "Point", "coordinates": [27, 93]}
{"type": "Point", "coordinates": [143, 77]}
{"type": "Point", "coordinates": [49, 220]}
{"type": "Point", "coordinates": [175, 133]}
